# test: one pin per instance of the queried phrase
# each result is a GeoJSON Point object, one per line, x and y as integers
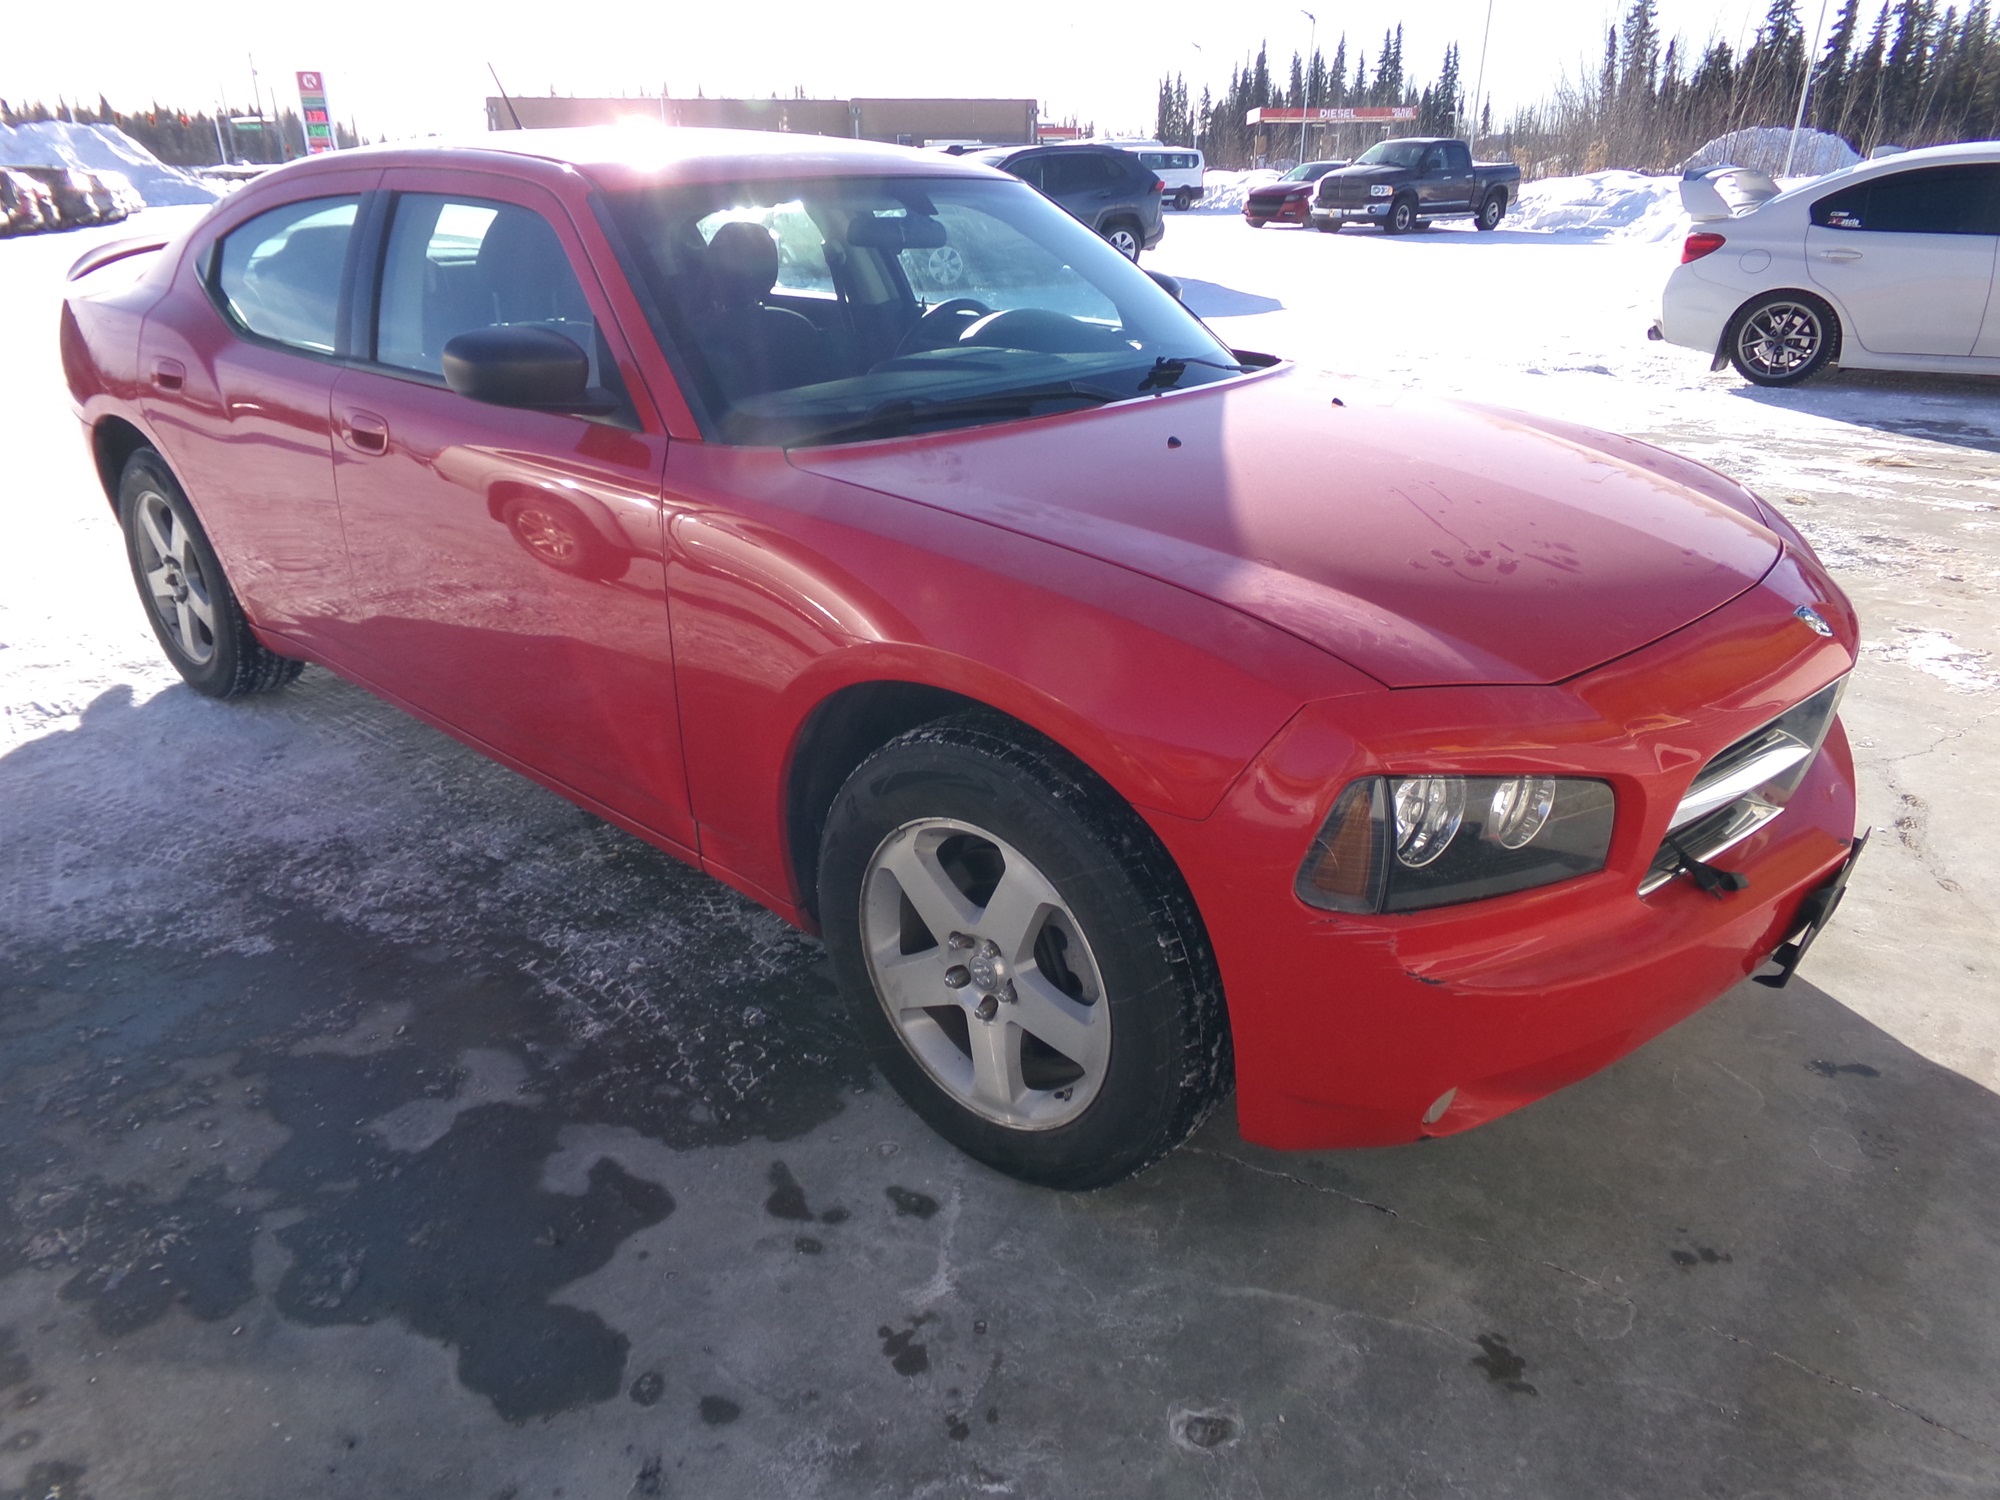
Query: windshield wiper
{"type": "Point", "coordinates": [1166, 371]}
{"type": "Point", "coordinates": [899, 414]}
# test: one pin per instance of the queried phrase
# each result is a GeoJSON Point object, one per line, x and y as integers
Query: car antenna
{"type": "Point", "coordinates": [503, 97]}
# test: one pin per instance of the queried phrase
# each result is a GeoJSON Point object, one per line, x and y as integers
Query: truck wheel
{"type": "Point", "coordinates": [189, 603]}
{"type": "Point", "coordinates": [1492, 211]}
{"type": "Point", "coordinates": [1184, 200]}
{"type": "Point", "coordinates": [1783, 338]}
{"type": "Point", "coordinates": [1401, 217]}
{"type": "Point", "coordinates": [1020, 955]}
{"type": "Point", "coordinates": [1327, 226]}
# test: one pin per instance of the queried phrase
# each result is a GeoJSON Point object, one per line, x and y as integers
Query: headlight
{"type": "Point", "coordinates": [1401, 843]}
{"type": "Point", "coordinates": [1379, 190]}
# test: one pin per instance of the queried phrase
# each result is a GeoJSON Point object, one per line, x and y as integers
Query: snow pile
{"type": "Point", "coordinates": [1224, 192]}
{"type": "Point", "coordinates": [101, 148]}
{"type": "Point", "coordinates": [1763, 150]}
{"type": "Point", "coordinates": [1627, 206]}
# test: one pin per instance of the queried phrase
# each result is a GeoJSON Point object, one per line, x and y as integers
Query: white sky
{"type": "Point", "coordinates": [418, 66]}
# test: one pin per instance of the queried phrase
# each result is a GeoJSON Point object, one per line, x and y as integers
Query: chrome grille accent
{"type": "Point", "coordinates": [1744, 787]}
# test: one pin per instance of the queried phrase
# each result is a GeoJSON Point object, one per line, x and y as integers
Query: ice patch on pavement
{"type": "Point", "coordinates": [101, 148]}
{"type": "Point", "coordinates": [1961, 668]}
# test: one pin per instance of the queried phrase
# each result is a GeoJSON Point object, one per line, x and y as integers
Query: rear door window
{"type": "Point", "coordinates": [1928, 200]}
{"type": "Point", "coordinates": [279, 274]}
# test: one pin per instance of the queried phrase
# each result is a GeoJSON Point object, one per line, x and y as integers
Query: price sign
{"type": "Point", "coordinates": [313, 110]}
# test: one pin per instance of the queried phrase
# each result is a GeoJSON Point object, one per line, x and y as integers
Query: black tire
{"type": "Point", "coordinates": [1492, 211]}
{"type": "Point", "coordinates": [1184, 200]}
{"type": "Point", "coordinates": [1401, 217]}
{"type": "Point", "coordinates": [1327, 226]}
{"type": "Point", "coordinates": [1256, 223]}
{"type": "Point", "coordinates": [1126, 918]}
{"type": "Point", "coordinates": [1126, 237]}
{"type": "Point", "coordinates": [1782, 338]}
{"type": "Point", "coordinates": [179, 578]}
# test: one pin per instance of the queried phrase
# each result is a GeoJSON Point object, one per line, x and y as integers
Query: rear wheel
{"type": "Point", "coordinates": [1184, 200]}
{"type": "Point", "coordinates": [1125, 238]}
{"type": "Point", "coordinates": [1492, 211]}
{"type": "Point", "coordinates": [1784, 338]}
{"type": "Point", "coordinates": [1019, 954]}
{"type": "Point", "coordinates": [189, 603]}
{"type": "Point", "coordinates": [1401, 217]}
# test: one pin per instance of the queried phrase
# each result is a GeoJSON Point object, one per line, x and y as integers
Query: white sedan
{"type": "Point", "coordinates": [1886, 265]}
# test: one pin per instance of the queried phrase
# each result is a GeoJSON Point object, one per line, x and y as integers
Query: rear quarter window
{"type": "Point", "coordinates": [1928, 200]}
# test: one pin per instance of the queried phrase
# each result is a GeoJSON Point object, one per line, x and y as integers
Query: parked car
{"type": "Point", "coordinates": [1887, 265]}
{"type": "Point", "coordinates": [106, 205]}
{"type": "Point", "coordinates": [68, 191]}
{"type": "Point", "coordinates": [1289, 199]}
{"type": "Point", "coordinates": [1104, 187]}
{"type": "Point", "coordinates": [25, 205]}
{"type": "Point", "coordinates": [1116, 755]}
{"type": "Point", "coordinates": [1400, 185]}
{"type": "Point", "coordinates": [1181, 170]}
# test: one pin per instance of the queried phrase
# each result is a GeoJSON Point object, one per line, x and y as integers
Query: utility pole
{"type": "Point", "coordinates": [1805, 90]}
{"type": "Point", "coordinates": [1311, 43]}
{"type": "Point", "coordinates": [1479, 84]}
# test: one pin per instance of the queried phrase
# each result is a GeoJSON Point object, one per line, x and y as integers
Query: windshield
{"type": "Point", "coordinates": [1393, 154]}
{"type": "Point", "coordinates": [842, 309]}
{"type": "Point", "coordinates": [1310, 171]}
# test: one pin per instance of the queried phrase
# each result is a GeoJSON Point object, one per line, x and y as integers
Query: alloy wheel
{"type": "Point", "coordinates": [175, 583]}
{"type": "Point", "coordinates": [1780, 339]}
{"type": "Point", "coordinates": [985, 974]}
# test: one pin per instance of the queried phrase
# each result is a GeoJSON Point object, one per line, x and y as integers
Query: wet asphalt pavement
{"type": "Point", "coordinates": [375, 1123]}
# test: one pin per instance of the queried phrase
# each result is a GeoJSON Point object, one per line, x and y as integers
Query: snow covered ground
{"type": "Point", "coordinates": [1895, 479]}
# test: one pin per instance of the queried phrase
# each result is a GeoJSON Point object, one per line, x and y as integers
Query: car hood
{"type": "Point", "coordinates": [1426, 542]}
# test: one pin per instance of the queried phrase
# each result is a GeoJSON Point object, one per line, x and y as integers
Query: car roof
{"type": "Point", "coordinates": [1968, 152]}
{"type": "Point", "coordinates": [647, 154]}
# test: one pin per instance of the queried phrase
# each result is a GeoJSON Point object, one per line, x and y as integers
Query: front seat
{"type": "Point", "coordinates": [753, 347]}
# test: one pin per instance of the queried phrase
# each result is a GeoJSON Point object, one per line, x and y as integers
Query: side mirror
{"type": "Point", "coordinates": [519, 366]}
{"type": "Point", "coordinates": [1167, 284]}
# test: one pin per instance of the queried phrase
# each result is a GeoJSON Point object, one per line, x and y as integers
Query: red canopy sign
{"type": "Point", "coordinates": [1331, 116]}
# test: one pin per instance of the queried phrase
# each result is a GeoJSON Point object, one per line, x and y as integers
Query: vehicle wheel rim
{"type": "Point", "coordinates": [1490, 213]}
{"type": "Point", "coordinates": [946, 266]}
{"type": "Point", "coordinates": [1125, 243]}
{"type": "Point", "coordinates": [546, 536]}
{"type": "Point", "coordinates": [1780, 339]}
{"type": "Point", "coordinates": [985, 974]}
{"type": "Point", "coordinates": [175, 582]}
{"type": "Point", "coordinates": [1401, 216]}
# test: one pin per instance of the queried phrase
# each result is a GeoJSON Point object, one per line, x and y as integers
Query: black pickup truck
{"type": "Point", "coordinates": [1399, 184]}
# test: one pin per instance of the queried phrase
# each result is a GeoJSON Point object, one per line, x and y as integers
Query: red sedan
{"type": "Point", "coordinates": [1117, 756]}
{"type": "Point", "coordinates": [1289, 199]}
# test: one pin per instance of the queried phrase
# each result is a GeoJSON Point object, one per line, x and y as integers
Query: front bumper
{"type": "Point", "coordinates": [1354, 1031]}
{"type": "Point", "coordinates": [1290, 211]}
{"type": "Point", "coordinates": [1350, 213]}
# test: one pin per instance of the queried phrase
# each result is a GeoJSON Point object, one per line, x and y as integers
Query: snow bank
{"type": "Point", "coordinates": [1763, 149]}
{"type": "Point", "coordinates": [1626, 206]}
{"type": "Point", "coordinates": [1224, 192]}
{"type": "Point", "coordinates": [101, 148]}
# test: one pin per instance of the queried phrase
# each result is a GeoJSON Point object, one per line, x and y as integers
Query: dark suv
{"type": "Point", "coordinates": [1110, 190]}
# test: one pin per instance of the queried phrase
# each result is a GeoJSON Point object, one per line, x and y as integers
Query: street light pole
{"type": "Point", "coordinates": [1479, 82]}
{"type": "Point", "coordinates": [1312, 42]}
{"type": "Point", "coordinates": [1805, 90]}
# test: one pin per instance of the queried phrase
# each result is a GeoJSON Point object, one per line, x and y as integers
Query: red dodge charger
{"type": "Point", "coordinates": [1118, 757]}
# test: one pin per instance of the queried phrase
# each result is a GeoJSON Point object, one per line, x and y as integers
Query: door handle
{"type": "Point", "coordinates": [1842, 255]}
{"type": "Point", "coordinates": [365, 432]}
{"type": "Point", "coordinates": [169, 374]}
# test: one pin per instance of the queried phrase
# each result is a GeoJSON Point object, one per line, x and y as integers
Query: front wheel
{"type": "Point", "coordinates": [1785, 338]}
{"type": "Point", "coordinates": [190, 605]}
{"type": "Point", "coordinates": [1125, 239]}
{"type": "Point", "coordinates": [1401, 218]}
{"type": "Point", "coordinates": [1020, 956]}
{"type": "Point", "coordinates": [1491, 212]}
{"type": "Point", "coordinates": [1327, 226]}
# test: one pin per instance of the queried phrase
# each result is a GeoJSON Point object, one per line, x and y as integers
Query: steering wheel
{"type": "Point", "coordinates": [928, 332]}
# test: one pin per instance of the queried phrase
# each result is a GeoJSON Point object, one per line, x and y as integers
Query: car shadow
{"type": "Point", "coordinates": [1205, 299]}
{"type": "Point", "coordinates": [1962, 410]}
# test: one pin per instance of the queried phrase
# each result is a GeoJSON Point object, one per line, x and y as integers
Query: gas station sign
{"type": "Point", "coordinates": [313, 110]}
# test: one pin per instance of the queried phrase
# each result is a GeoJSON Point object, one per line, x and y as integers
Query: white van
{"type": "Point", "coordinates": [1179, 168]}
